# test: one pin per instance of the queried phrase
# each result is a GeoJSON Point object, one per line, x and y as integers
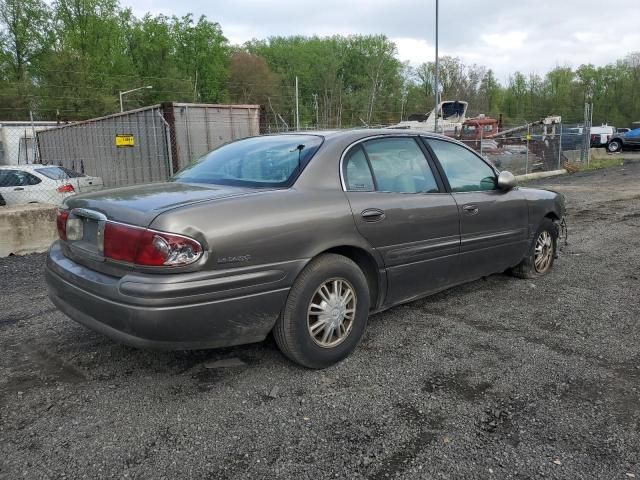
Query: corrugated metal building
{"type": "Point", "coordinates": [148, 144]}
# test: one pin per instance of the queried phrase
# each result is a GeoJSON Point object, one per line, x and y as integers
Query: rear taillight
{"type": "Point", "coordinates": [121, 241]}
{"type": "Point", "coordinates": [66, 188]}
{"type": "Point", "coordinates": [61, 223]}
{"type": "Point", "coordinates": [130, 244]}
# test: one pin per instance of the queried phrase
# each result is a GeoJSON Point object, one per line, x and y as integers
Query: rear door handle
{"type": "Point", "coordinates": [17, 189]}
{"type": "Point", "coordinates": [372, 214]}
{"type": "Point", "coordinates": [470, 209]}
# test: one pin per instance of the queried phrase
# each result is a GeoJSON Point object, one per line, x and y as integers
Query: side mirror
{"type": "Point", "coordinates": [506, 181]}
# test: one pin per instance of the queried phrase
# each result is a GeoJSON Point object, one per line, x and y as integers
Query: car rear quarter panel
{"type": "Point", "coordinates": [287, 227]}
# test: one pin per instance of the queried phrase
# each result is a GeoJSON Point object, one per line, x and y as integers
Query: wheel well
{"type": "Point", "coordinates": [366, 263]}
{"type": "Point", "coordinates": [552, 216]}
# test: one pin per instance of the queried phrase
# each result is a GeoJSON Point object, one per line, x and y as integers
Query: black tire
{"type": "Point", "coordinates": [614, 146]}
{"type": "Point", "coordinates": [527, 268]}
{"type": "Point", "coordinates": [292, 331]}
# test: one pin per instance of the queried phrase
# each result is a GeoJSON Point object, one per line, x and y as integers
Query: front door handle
{"type": "Point", "coordinates": [470, 209]}
{"type": "Point", "coordinates": [17, 189]}
{"type": "Point", "coordinates": [372, 214]}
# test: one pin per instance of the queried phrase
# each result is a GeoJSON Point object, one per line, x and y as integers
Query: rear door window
{"type": "Point", "coordinates": [357, 175]}
{"type": "Point", "coordinates": [58, 173]}
{"type": "Point", "coordinates": [399, 166]}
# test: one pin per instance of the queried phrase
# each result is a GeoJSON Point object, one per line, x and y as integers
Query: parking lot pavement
{"type": "Point", "coordinates": [499, 378]}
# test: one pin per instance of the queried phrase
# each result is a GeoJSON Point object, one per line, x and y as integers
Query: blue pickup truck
{"type": "Point", "coordinates": [627, 140]}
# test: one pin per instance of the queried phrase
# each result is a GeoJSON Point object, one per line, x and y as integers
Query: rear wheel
{"type": "Point", "coordinates": [614, 146]}
{"type": "Point", "coordinates": [542, 252]}
{"type": "Point", "coordinates": [326, 312]}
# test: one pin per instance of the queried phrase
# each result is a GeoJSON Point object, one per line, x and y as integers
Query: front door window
{"type": "Point", "coordinates": [465, 171]}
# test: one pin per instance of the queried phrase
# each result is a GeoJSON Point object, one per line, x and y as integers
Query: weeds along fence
{"type": "Point", "coordinates": [148, 144]}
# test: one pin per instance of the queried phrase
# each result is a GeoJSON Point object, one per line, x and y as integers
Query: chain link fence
{"type": "Point", "coordinates": [23, 177]}
{"type": "Point", "coordinates": [523, 149]}
{"type": "Point", "coordinates": [44, 162]}
{"type": "Point", "coordinates": [51, 162]}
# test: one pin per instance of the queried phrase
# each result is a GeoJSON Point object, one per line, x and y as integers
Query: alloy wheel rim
{"type": "Point", "coordinates": [613, 146]}
{"type": "Point", "coordinates": [543, 252]}
{"type": "Point", "coordinates": [331, 312]}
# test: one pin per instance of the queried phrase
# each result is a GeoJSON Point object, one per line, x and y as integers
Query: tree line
{"type": "Point", "coordinates": [68, 60]}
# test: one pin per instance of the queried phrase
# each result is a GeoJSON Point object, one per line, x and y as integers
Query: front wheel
{"type": "Point", "coordinates": [541, 253]}
{"type": "Point", "coordinates": [614, 146]}
{"type": "Point", "coordinates": [326, 312]}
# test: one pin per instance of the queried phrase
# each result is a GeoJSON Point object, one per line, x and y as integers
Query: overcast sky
{"type": "Point", "coordinates": [505, 35]}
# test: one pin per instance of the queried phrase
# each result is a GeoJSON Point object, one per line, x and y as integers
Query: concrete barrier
{"type": "Point", "coordinates": [571, 156]}
{"type": "Point", "coordinates": [537, 175]}
{"type": "Point", "coordinates": [27, 228]}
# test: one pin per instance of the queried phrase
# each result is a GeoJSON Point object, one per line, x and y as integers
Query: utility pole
{"type": "Point", "coordinates": [436, 79]}
{"type": "Point", "coordinates": [586, 129]}
{"type": "Point", "coordinates": [297, 109]}
{"type": "Point", "coordinates": [315, 106]}
{"type": "Point", "coordinates": [33, 139]}
{"type": "Point", "coordinates": [195, 88]}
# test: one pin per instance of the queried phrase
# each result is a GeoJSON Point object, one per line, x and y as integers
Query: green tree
{"type": "Point", "coordinates": [24, 41]}
{"type": "Point", "coordinates": [204, 54]}
{"type": "Point", "coordinates": [489, 94]}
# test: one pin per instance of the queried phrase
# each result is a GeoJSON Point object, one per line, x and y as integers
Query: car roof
{"type": "Point", "coordinates": [354, 133]}
{"type": "Point", "coordinates": [371, 131]}
{"type": "Point", "coordinates": [26, 166]}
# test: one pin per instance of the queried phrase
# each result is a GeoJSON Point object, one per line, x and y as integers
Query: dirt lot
{"type": "Point", "coordinates": [500, 378]}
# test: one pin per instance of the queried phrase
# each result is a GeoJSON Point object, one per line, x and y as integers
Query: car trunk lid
{"type": "Point", "coordinates": [139, 205]}
{"type": "Point", "coordinates": [86, 183]}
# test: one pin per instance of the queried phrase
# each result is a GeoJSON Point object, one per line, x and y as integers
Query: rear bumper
{"type": "Point", "coordinates": [130, 310]}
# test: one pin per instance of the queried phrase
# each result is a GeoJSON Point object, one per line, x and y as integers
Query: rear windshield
{"type": "Point", "coordinates": [269, 161]}
{"type": "Point", "coordinates": [58, 173]}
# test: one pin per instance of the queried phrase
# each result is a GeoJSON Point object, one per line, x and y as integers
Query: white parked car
{"type": "Point", "coordinates": [36, 183]}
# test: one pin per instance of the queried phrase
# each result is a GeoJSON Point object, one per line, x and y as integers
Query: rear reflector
{"type": "Point", "coordinates": [61, 223]}
{"type": "Point", "coordinates": [66, 188]}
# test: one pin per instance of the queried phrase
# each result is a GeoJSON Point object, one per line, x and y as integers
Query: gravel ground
{"type": "Point", "coordinates": [499, 378]}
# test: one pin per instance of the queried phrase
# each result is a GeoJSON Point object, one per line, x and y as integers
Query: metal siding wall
{"type": "Point", "coordinates": [199, 129]}
{"type": "Point", "coordinates": [93, 144]}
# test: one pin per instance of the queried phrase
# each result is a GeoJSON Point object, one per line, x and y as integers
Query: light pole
{"type": "Point", "coordinates": [129, 91]}
{"type": "Point", "coordinates": [436, 79]}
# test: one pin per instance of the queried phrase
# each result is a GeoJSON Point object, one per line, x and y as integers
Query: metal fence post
{"type": "Point", "coordinates": [560, 147]}
{"type": "Point", "coordinates": [526, 164]}
{"type": "Point", "coordinates": [481, 135]}
{"type": "Point", "coordinates": [34, 150]}
{"type": "Point", "coordinates": [167, 130]}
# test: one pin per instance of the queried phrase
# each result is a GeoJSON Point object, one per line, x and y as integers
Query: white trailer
{"type": "Point", "coordinates": [17, 144]}
{"type": "Point", "coordinates": [147, 144]}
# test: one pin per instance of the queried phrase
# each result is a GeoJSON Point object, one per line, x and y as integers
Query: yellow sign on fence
{"type": "Point", "coordinates": [125, 140]}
